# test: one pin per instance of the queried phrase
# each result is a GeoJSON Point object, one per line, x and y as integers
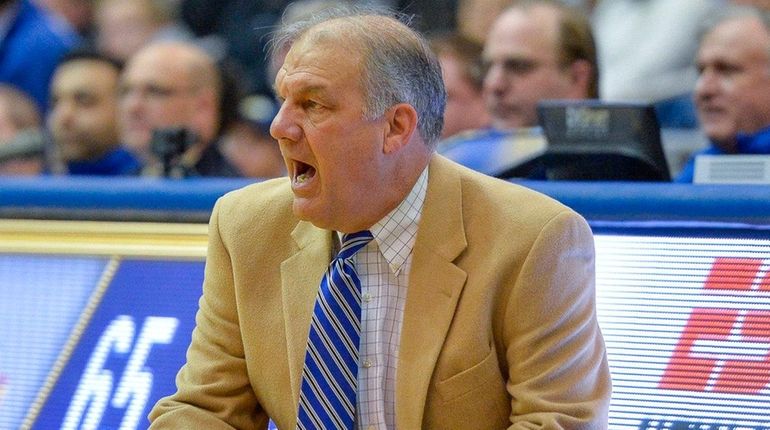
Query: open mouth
{"type": "Point", "coordinates": [303, 172]}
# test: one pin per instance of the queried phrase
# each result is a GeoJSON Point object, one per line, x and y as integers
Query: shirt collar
{"type": "Point", "coordinates": [754, 143]}
{"type": "Point", "coordinates": [396, 232]}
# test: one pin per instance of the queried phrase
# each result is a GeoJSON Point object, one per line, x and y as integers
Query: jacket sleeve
{"type": "Point", "coordinates": [558, 376]}
{"type": "Point", "coordinates": [213, 388]}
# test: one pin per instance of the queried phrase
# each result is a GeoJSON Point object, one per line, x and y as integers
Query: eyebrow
{"type": "Point", "coordinates": [313, 90]}
{"type": "Point", "coordinates": [304, 89]}
{"type": "Point", "coordinates": [309, 92]}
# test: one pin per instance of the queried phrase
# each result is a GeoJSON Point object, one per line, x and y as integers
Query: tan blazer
{"type": "Point", "coordinates": [499, 328]}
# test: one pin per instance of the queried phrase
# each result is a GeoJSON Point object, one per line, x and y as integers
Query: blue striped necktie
{"type": "Point", "coordinates": [327, 397]}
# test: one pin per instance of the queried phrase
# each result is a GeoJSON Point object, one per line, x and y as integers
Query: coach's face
{"type": "Point", "coordinates": [334, 154]}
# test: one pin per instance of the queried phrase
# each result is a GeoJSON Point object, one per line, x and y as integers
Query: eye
{"type": "Point", "coordinates": [519, 66]}
{"type": "Point", "coordinates": [157, 91]}
{"type": "Point", "coordinates": [83, 99]}
{"type": "Point", "coordinates": [311, 105]}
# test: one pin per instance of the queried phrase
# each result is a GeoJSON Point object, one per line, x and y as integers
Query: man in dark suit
{"type": "Point", "coordinates": [170, 107]}
{"type": "Point", "coordinates": [476, 295]}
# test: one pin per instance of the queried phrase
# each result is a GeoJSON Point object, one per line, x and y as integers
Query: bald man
{"type": "Point", "coordinates": [732, 93]}
{"type": "Point", "coordinates": [537, 50]}
{"type": "Point", "coordinates": [174, 85]}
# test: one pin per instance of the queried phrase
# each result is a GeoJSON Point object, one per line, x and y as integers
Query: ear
{"type": "Point", "coordinates": [400, 127]}
{"type": "Point", "coordinates": [580, 76]}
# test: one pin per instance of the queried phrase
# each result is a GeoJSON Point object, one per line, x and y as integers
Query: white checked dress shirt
{"type": "Point", "coordinates": [383, 267]}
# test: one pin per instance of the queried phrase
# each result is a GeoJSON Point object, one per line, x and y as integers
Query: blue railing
{"type": "Point", "coordinates": [192, 199]}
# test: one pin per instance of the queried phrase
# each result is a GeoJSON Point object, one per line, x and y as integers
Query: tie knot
{"type": "Point", "coordinates": [353, 242]}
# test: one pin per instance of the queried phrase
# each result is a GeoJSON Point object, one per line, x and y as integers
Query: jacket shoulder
{"type": "Point", "coordinates": [508, 203]}
{"type": "Point", "coordinates": [263, 203]}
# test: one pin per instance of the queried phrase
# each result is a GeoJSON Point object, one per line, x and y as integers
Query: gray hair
{"type": "Point", "coordinates": [398, 64]}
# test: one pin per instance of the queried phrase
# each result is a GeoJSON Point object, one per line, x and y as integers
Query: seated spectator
{"type": "Point", "coordinates": [22, 145]}
{"type": "Point", "coordinates": [33, 41]}
{"type": "Point", "coordinates": [173, 90]}
{"type": "Point", "coordinates": [83, 117]}
{"type": "Point", "coordinates": [535, 50]}
{"type": "Point", "coordinates": [732, 94]}
{"type": "Point", "coordinates": [461, 68]}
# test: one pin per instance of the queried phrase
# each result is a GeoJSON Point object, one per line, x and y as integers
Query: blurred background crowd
{"type": "Point", "coordinates": [184, 87]}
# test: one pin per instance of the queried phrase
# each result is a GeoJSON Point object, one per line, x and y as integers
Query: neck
{"type": "Point", "coordinates": [403, 177]}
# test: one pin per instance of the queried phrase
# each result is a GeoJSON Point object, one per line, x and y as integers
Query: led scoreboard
{"type": "Point", "coordinates": [686, 321]}
{"type": "Point", "coordinates": [95, 319]}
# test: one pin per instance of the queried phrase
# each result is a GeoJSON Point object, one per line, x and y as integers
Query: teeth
{"type": "Point", "coordinates": [301, 178]}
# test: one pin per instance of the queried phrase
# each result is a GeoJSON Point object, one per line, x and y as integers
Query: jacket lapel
{"type": "Point", "coordinates": [300, 277]}
{"type": "Point", "coordinates": [434, 287]}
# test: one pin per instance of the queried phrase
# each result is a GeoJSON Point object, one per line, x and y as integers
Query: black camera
{"type": "Point", "coordinates": [168, 144]}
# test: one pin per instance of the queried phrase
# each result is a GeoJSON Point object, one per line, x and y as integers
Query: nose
{"type": "Point", "coordinates": [130, 100]}
{"type": "Point", "coordinates": [494, 80]}
{"type": "Point", "coordinates": [707, 84]}
{"type": "Point", "coordinates": [61, 114]}
{"type": "Point", "coordinates": [285, 126]}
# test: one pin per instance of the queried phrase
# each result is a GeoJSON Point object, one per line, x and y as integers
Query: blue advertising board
{"type": "Point", "coordinates": [131, 348]}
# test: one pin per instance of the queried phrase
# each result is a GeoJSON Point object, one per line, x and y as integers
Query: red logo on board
{"type": "Point", "coordinates": [725, 350]}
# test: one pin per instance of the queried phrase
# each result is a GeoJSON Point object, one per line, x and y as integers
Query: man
{"type": "Point", "coordinates": [83, 118]}
{"type": "Point", "coordinates": [535, 50]}
{"type": "Point", "coordinates": [732, 94]}
{"type": "Point", "coordinates": [172, 90]}
{"type": "Point", "coordinates": [460, 60]}
{"type": "Point", "coordinates": [476, 295]}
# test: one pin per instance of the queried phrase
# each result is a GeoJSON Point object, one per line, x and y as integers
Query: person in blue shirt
{"type": "Point", "coordinates": [83, 117]}
{"type": "Point", "coordinates": [31, 44]}
{"type": "Point", "coordinates": [732, 94]}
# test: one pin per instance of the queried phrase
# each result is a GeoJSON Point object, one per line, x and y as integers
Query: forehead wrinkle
{"type": "Point", "coordinates": [294, 82]}
{"type": "Point", "coordinates": [309, 63]}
